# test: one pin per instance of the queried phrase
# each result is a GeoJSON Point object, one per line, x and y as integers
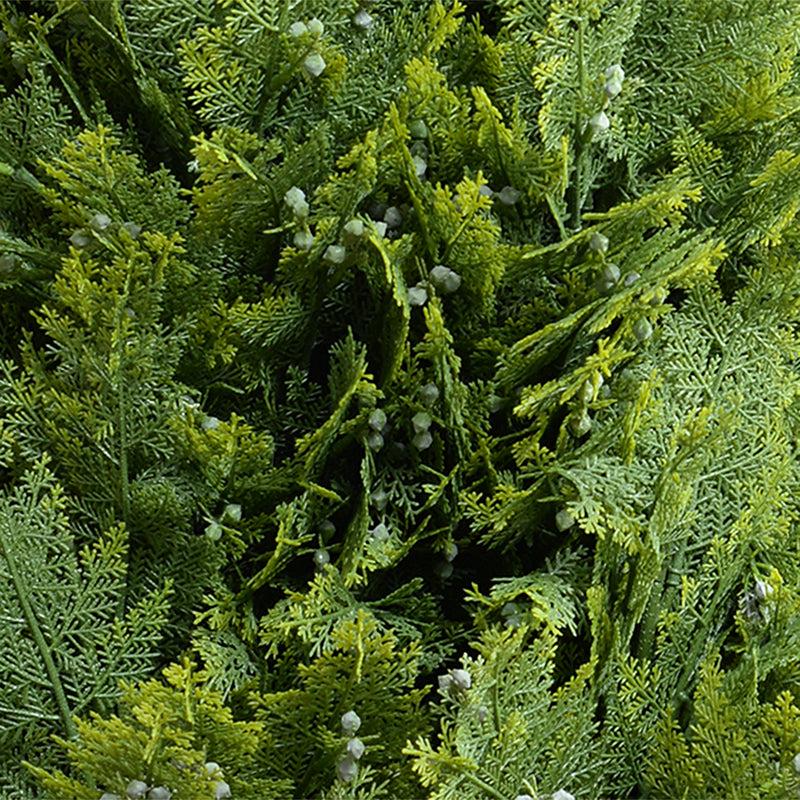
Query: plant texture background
{"type": "Point", "coordinates": [399, 399]}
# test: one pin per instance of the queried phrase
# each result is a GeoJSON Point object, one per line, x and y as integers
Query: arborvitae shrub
{"type": "Point", "coordinates": [399, 399]}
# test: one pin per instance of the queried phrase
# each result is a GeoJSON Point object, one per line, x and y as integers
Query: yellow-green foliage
{"type": "Point", "coordinates": [352, 347]}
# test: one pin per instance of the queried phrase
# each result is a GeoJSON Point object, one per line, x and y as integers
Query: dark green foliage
{"type": "Point", "coordinates": [352, 348]}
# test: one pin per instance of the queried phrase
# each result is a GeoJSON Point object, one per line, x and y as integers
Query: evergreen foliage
{"type": "Point", "coordinates": [399, 399]}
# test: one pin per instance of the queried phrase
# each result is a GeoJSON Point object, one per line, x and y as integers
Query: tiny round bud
{"type": "Point", "coordinates": [298, 29]}
{"type": "Point", "coordinates": [523, 797]}
{"type": "Point", "coordinates": [510, 609]}
{"type": "Point", "coordinates": [417, 296]}
{"type": "Point", "coordinates": [508, 195]}
{"type": "Point", "coordinates": [450, 551]}
{"type": "Point", "coordinates": [316, 27]}
{"type": "Point", "coordinates": [631, 278]}
{"type": "Point", "coordinates": [438, 274]}
{"type": "Point", "coordinates": [562, 795]}
{"type": "Point", "coordinates": [232, 512]}
{"type": "Point", "coordinates": [210, 423]}
{"type": "Point", "coordinates": [327, 528]}
{"type": "Point", "coordinates": [598, 243]}
{"type": "Point", "coordinates": [418, 129]}
{"type": "Point", "coordinates": [375, 441]}
{"type": "Point", "coordinates": [659, 297]}
{"type": "Point", "coordinates": [335, 254]}
{"type": "Point", "coordinates": [482, 713]}
{"type": "Point", "coordinates": [587, 392]}
{"type": "Point", "coordinates": [303, 240]}
{"type": "Point", "coordinates": [377, 210]}
{"type": "Point", "coordinates": [159, 793]}
{"type": "Point", "coordinates": [564, 520]}
{"type": "Point", "coordinates": [133, 229]}
{"type": "Point", "coordinates": [420, 166]}
{"type": "Point", "coordinates": [642, 329]}
{"type": "Point", "coordinates": [445, 279]}
{"type": "Point", "coordinates": [380, 532]}
{"type": "Point", "coordinates": [495, 403]}
{"type": "Point", "coordinates": [581, 425]}
{"type": "Point", "coordinates": [423, 440]}
{"type": "Point", "coordinates": [429, 393]}
{"type": "Point", "coordinates": [461, 678]}
{"type": "Point", "coordinates": [362, 19]}
{"type": "Point", "coordinates": [355, 748]}
{"type": "Point", "coordinates": [211, 767]}
{"type": "Point", "coordinates": [222, 791]}
{"type": "Point", "coordinates": [763, 590]}
{"type": "Point", "coordinates": [599, 123]}
{"type": "Point", "coordinates": [421, 421]}
{"type": "Point", "coordinates": [377, 419]}
{"type": "Point", "coordinates": [347, 769]}
{"type": "Point", "coordinates": [485, 190]}
{"type": "Point", "coordinates": [393, 217]}
{"type": "Point", "coordinates": [610, 273]}
{"type": "Point", "coordinates": [379, 499]}
{"type": "Point", "coordinates": [314, 64]}
{"type": "Point", "coordinates": [351, 722]}
{"type": "Point", "coordinates": [354, 228]}
{"type": "Point", "coordinates": [321, 557]}
{"type": "Point", "coordinates": [451, 282]}
{"type": "Point", "coordinates": [380, 228]}
{"type": "Point", "coordinates": [445, 570]}
{"type": "Point", "coordinates": [109, 796]}
{"type": "Point", "coordinates": [796, 763]}
{"type": "Point", "coordinates": [294, 196]}
{"type": "Point", "coordinates": [99, 222]}
{"type": "Point", "coordinates": [420, 149]}
{"type": "Point", "coordinates": [615, 72]}
{"type": "Point", "coordinates": [136, 790]}
{"type": "Point", "coordinates": [445, 682]}
{"type": "Point", "coordinates": [612, 88]}
{"type": "Point", "coordinates": [80, 239]}
{"type": "Point", "coordinates": [214, 531]}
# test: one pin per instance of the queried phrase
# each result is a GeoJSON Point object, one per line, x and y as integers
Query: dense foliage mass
{"type": "Point", "coordinates": [399, 399]}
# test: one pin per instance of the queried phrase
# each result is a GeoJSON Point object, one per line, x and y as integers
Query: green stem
{"type": "Point", "coordinates": [575, 189]}
{"type": "Point", "coordinates": [38, 637]}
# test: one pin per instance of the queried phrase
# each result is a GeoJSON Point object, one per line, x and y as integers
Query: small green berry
{"type": "Point", "coordinates": [99, 222]}
{"type": "Point", "coordinates": [564, 520]}
{"type": "Point", "coordinates": [422, 440]}
{"type": "Point", "coordinates": [418, 129]}
{"type": "Point", "coordinates": [314, 64]}
{"type": "Point", "coordinates": [417, 296]}
{"type": "Point", "coordinates": [642, 329]}
{"type": "Point", "coordinates": [315, 27]}
{"type": "Point", "coordinates": [335, 254]}
{"type": "Point", "coordinates": [354, 228]}
{"type": "Point", "coordinates": [355, 748]}
{"type": "Point", "coordinates": [136, 790]}
{"type": "Point", "coordinates": [598, 243]}
{"type": "Point", "coordinates": [377, 419]}
{"type": "Point", "coordinates": [429, 393]}
{"type": "Point", "coordinates": [347, 769]}
{"type": "Point", "coordinates": [351, 722]}
{"type": "Point", "coordinates": [214, 531]}
{"type": "Point", "coordinates": [421, 421]}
